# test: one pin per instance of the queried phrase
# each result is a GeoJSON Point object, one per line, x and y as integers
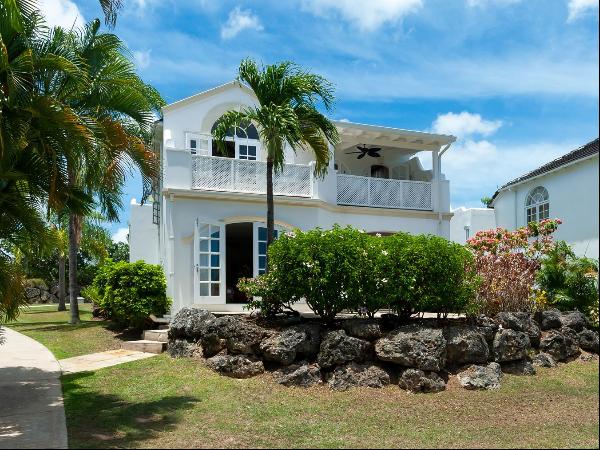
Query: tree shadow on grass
{"type": "Point", "coordinates": [96, 420]}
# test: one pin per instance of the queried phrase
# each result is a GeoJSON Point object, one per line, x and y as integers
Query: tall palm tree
{"type": "Point", "coordinates": [120, 109]}
{"type": "Point", "coordinates": [287, 113]}
{"type": "Point", "coordinates": [38, 135]}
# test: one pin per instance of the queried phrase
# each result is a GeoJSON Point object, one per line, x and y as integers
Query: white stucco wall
{"type": "Point", "coordinates": [143, 234]}
{"type": "Point", "coordinates": [573, 194]}
{"type": "Point", "coordinates": [182, 212]}
{"type": "Point", "coordinates": [476, 219]}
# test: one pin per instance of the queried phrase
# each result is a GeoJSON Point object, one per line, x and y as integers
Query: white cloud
{"type": "Point", "coordinates": [63, 13]}
{"type": "Point", "coordinates": [366, 16]}
{"type": "Point", "coordinates": [577, 8]}
{"type": "Point", "coordinates": [474, 3]}
{"type": "Point", "coordinates": [477, 168]}
{"type": "Point", "coordinates": [142, 58]}
{"type": "Point", "coordinates": [238, 21]}
{"type": "Point", "coordinates": [121, 235]}
{"type": "Point", "coordinates": [464, 124]}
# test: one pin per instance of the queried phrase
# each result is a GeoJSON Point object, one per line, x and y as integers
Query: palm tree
{"type": "Point", "coordinates": [120, 109]}
{"type": "Point", "coordinates": [38, 135]}
{"type": "Point", "coordinates": [287, 113]}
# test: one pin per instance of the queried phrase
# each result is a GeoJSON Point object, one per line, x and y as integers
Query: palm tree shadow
{"type": "Point", "coordinates": [96, 420]}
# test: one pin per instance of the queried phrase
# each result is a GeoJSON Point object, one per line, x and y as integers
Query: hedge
{"type": "Point", "coordinates": [347, 269]}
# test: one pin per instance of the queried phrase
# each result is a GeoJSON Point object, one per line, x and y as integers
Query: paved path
{"type": "Point", "coordinates": [95, 361]}
{"type": "Point", "coordinates": [32, 414]}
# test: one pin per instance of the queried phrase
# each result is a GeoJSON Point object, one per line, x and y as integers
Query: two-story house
{"type": "Point", "coordinates": [206, 226]}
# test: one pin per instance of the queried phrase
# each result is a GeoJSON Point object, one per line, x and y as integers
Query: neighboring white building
{"type": "Point", "coordinates": [566, 188]}
{"type": "Point", "coordinates": [466, 222]}
{"type": "Point", "coordinates": [211, 210]}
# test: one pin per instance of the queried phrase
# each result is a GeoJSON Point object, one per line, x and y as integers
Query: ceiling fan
{"type": "Point", "coordinates": [364, 150]}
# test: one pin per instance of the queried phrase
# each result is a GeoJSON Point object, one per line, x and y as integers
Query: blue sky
{"type": "Point", "coordinates": [515, 80]}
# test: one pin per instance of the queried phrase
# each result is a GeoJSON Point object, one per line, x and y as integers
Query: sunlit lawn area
{"type": "Point", "coordinates": [50, 327]}
{"type": "Point", "coordinates": [161, 402]}
{"type": "Point", "coordinates": [172, 403]}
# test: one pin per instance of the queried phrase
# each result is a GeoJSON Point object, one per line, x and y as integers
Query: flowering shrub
{"type": "Point", "coordinates": [507, 263]}
{"type": "Point", "coordinates": [347, 269]}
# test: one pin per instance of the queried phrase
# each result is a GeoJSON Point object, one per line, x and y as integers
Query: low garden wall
{"type": "Point", "coordinates": [37, 291]}
{"type": "Point", "coordinates": [417, 355]}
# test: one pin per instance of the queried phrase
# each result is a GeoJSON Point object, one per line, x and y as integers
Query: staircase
{"type": "Point", "coordinates": [154, 341]}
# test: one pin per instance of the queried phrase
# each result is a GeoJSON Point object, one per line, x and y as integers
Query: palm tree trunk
{"type": "Point", "coordinates": [73, 238]}
{"type": "Point", "coordinates": [61, 283]}
{"type": "Point", "coordinates": [270, 208]}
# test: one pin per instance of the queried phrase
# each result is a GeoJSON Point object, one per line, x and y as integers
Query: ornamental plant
{"type": "Point", "coordinates": [130, 292]}
{"type": "Point", "coordinates": [507, 263]}
{"type": "Point", "coordinates": [347, 269]}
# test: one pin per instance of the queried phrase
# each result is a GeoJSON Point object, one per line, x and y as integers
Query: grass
{"type": "Point", "coordinates": [51, 327]}
{"type": "Point", "coordinates": [161, 402]}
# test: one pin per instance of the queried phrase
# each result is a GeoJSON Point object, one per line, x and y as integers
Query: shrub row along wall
{"type": "Point", "coordinates": [418, 356]}
{"type": "Point", "coordinates": [347, 269]}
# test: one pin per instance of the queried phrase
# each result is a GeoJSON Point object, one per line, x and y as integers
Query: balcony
{"type": "Point", "coordinates": [355, 190]}
{"type": "Point", "coordinates": [215, 173]}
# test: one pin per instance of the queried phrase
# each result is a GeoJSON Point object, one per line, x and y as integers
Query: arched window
{"type": "Point", "coordinates": [243, 131]}
{"type": "Point", "coordinates": [537, 205]}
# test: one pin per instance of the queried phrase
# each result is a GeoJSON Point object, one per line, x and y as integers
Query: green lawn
{"type": "Point", "coordinates": [161, 402]}
{"type": "Point", "coordinates": [50, 327]}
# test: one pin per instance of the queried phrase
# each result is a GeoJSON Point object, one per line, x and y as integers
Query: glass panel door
{"type": "Point", "coordinates": [209, 248]}
{"type": "Point", "coordinates": [260, 248]}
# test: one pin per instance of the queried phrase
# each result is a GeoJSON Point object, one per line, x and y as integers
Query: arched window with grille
{"type": "Point", "coordinates": [537, 205]}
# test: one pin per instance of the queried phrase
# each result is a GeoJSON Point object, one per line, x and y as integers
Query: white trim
{"type": "Point", "coordinates": [221, 298]}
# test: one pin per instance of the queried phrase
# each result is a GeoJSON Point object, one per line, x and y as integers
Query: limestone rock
{"type": "Point", "coordinates": [338, 348]}
{"type": "Point", "coordinates": [190, 323]}
{"type": "Point", "coordinates": [481, 377]}
{"type": "Point", "coordinates": [561, 344]}
{"type": "Point", "coordinates": [367, 329]}
{"type": "Point", "coordinates": [180, 348]}
{"type": "Point", "coordinates": [588, 341]}
{"type": "Point", "coordinates": [284, 347]}
{"type": "Point", "coordinates": [235, 366]}
{"type": "Point", "coordinates": [574, 320]}
{"type": "Point", "coordinates": [302, 375]}
{"type": "Point", "coordinates": [510, 345]}
{"type": "Point", "coordinates": [414, 346]}
{"type": "Point", "coordinates": [415, 380]}
{"type": "Point", "coordinates": [520, 367]}
{"type": "Point", "coordinates": [358, 375]}
{"type": "Point", "coordinates": [543, 360]}
{"type": "Point", "coordinates": [466, 345]}
{"type": "Point", "coordinates": [548, 319]}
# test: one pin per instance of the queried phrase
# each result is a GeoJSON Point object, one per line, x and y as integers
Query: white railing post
{"type": "Point", "coordinates": [232, 171]}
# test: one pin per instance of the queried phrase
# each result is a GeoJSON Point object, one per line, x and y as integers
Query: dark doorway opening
{"type": "Point", "coordinates": [239, 260]}
{"type": "Point", "coordinates": [228, 151]}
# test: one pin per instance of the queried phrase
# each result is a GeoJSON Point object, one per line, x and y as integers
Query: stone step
{"type": "Point", "coordinates": [145, 345]}
{"type": "Point", "coordinates": [156, 335]}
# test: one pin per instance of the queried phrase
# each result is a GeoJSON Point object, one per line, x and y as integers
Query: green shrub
{"type": "Point", "coordinates": [346, 269]}
{"type": "Point", "coordinates": [570, 282]}
{"type": "Point", "coordinates": [129, 292]}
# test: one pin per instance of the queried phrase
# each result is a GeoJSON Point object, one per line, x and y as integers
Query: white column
{"type": "Point", "coordinates": [435, 188]}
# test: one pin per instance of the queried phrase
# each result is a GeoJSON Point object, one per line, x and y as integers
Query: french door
{"type": "Point", "coordinates": [209, 262]}
{"type": "Point", "coordinates": [260, 246]}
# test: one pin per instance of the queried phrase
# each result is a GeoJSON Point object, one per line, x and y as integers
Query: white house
{"type": "Point", "coordinates": [566, 187]}
{"type": "Point", "coordinates": [210, 211]}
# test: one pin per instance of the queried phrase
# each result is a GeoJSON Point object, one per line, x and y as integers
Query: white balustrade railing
{"type": "Point", "coordinates": [216, 173]}
{"type": "Point", "coordinates": [355, 190]}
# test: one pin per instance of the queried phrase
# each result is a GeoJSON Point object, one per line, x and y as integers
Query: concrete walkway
{"type": "Point", "coordinates": [32, 413]}
{"type": "Point", "coordinates": [95, 361]}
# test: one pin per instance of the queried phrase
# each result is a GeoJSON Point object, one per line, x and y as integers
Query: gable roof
{"type": "Point", "coordinates": [583, 152]}
{"type": "Point", "coordinates": [223, 87]}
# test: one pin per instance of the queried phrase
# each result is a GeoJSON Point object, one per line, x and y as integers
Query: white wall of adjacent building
{"type": "Point", "coordinates": [572, 197]}
{"type": "Point", "coordinates": [143, 234]}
